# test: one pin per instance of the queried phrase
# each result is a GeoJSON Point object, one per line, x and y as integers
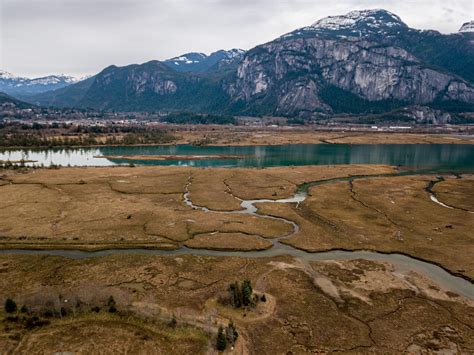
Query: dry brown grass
{"type": "Point", "coordinates": [392, 214]}
{"type": "Point", "coordinates": [228, 241]}
{"type": "Point", "coordinates": [97, 208]}
{"type": "Point", "coordinates": [361, 306]}
{"type": "Point", "coordinates": [106, 334]}
{"type": "Point", "coordinates": [226, 136]}
{"type": "Point", "coordinates": [100, 207]}
{"type": "Point", "coordinates": [456, 193]}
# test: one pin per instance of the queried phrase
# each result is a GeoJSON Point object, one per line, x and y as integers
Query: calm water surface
{"type": "Point", "coordinates": [436, 156]}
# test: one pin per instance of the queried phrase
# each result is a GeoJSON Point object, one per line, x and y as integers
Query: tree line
{"type": "Point", "coordinates": [43, 141]}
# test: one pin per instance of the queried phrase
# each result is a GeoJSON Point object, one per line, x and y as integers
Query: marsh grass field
{"type": "Point", "coordinates": [310, 306]}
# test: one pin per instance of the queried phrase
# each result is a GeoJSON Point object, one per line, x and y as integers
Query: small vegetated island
{"type": "Point", "coordinates": [170, 157]}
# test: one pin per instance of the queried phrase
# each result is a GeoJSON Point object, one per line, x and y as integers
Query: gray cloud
{"type": "Point", "coordinates": [78, 37]}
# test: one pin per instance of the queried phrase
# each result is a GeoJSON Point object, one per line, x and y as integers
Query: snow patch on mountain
{"type": "Point", "coordinates": [12, 84]}
{"type": "Point", "coordinates": [467, 27]}
{"type": "Point", "coordinates": [189, 58]}
{"type": "Point", "coordinates": [200, 62]}
{"type": "Point", "coordinates": [373, 18]}
{"type": "Point", "coordinates": [358, 23]}
{"type": "Point", "coordinates": [7, 76]}
{"type": "Point", "coordinates": [235, 52]}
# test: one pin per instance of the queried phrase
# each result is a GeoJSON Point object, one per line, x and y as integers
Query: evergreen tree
{"type": "Point", "coordinates": [235, 295]}
{"type": "Point", "coordinates": [221, 340]}
{"type": "Point", "coordinates": [231, 333]}
{"type": "Point", "coordinates": [247, 293]}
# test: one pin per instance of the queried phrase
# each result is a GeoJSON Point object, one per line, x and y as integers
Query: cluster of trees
{"type": "Point", "coordinates": [227, 336]}
{"type": "Point", "coordinates": [240, 295]}
{"type": "Point", "coordinates": [39, 140]}
{"type": "Point", "coordinates": [195, 118]}
{"type": "Point", "coordinates": [112, 128]}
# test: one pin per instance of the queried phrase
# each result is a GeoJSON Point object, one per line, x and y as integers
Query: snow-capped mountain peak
{"type": "Point", "coordinates": [14, 85]}
{"type": "Point", "coordinates": [200, 62]}
{"type": "Point", "coordinates": [52, 79]}
{"type": "Point", "coordinates": [375, 23]}
{"type": "Point", "coordinates": [6, 75]}
{"type": "Point", "coordinates": [231, 53]}
{"type": "Point", "coordinates": [467, 27]}
{"type": "Point", "coordinates": [372, 18]}
{"type": "Point", "coordinates": [188, 58]}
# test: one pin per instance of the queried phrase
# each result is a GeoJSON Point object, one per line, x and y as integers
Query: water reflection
{"type": "Point", "coordinates": [412, 155]}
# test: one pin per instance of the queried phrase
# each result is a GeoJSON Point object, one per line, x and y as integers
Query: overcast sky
{"type": "Point", "coordinates": [80, 37]}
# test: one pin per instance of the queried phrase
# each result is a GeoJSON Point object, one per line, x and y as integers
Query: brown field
{"type": "Point", "coordinates": [106, 335]}
{"type": "Point", "coordinates": [456, 193]}
{"type": "Point", "coordinates": [228, 241]}
{"type": "Point", "coordinates": [279, 136]}
{"type": "Point", "coordinates": [352, 306]}
{"type": "Point", "coordinates": [131, 207]}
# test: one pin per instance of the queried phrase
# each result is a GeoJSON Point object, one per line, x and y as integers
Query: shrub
{"type": "Point", "coordinates": [34, 321]}
{"type": "Point", "coordinates": [112, 305]}
{"type": "Point", "coordinates": [173, 322]}
{"type": "Point", "coordinates": [10, 306]}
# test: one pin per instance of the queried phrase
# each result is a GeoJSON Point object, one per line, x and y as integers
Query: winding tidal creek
{"type": "Point", "coordinates": [403, 263]}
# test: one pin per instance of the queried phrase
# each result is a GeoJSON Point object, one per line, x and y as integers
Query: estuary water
{"type": "Point", "coordinates": [416, 156]}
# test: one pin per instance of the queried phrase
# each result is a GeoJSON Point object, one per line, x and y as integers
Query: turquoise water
{"type": "Point", "coordinates": [435, 156]}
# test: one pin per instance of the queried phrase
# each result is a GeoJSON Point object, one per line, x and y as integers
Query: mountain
{"type": "Point", "coordinates": [374, 25]}
{"type": "Point", "coordinates": [19, 86]}
{"type": "Point", "coordinates": [366, 61]}
{"type": "Point", "coordinates": [359, 62]}
{"type": "Point", "coordinates": [454, 52]}
{"type": "Point", "coordinates": [200, 62]}
{"type": "Point", "coordinates": [7, 101]}
{"type": "Point", "coordinates": [139, 87]}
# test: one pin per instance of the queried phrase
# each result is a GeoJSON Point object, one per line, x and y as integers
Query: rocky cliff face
{"type": "Point", "coordinates": [427, 115]}
{"type": "Point", "coordinates": [289, 73]}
